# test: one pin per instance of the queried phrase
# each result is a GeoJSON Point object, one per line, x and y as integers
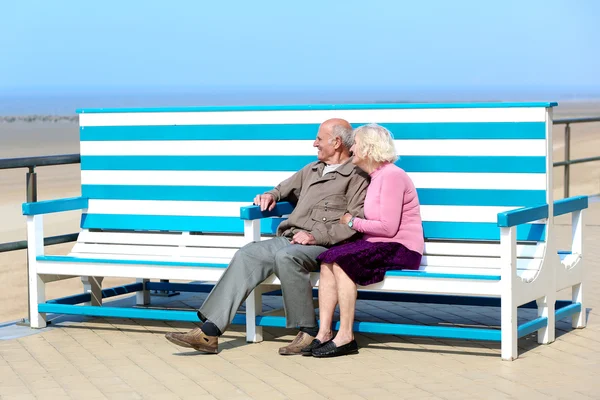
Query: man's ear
{"type": "Point", "coordinates": [338, 142]}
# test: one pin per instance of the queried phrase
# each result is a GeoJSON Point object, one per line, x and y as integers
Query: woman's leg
{"type": "Point", "coordinates": [346, 295]}
{"type": "Point", "coordinates": [327, 301]}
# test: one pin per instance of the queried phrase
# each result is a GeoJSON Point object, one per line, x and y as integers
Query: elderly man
{"type": "Point", "coordinates": [322, 192]}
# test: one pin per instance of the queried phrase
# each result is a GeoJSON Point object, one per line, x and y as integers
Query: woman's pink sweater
{"type": "Point", "coordinates": [392, 211]}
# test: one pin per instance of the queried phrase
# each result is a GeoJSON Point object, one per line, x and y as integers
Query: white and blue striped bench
{"type": "Point", "coordinates": [163, 191]}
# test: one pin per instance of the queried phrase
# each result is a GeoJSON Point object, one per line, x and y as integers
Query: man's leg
{"type": "Point", "coordinates": [251, 265]}
{"type": "Point", "coordinates": [293, 265]}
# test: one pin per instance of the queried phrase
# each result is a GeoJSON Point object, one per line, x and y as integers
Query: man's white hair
{"type": "Point", "coordinates": [345, 134]}
{"type": "Point", "coordinates": [376, 143]}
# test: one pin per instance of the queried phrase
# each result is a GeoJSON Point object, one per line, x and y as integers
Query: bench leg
{"type": "Point", "coordinates": [546, 309]}
{"type": "Point", "coordinates": [578, 320]}
{"type": "Point", "coordinates": [37, 295]}
{"type": "Point", "coordinates": [509, 333]}
{"type": "Point", "coordinates": [254, 334]}
{"type": "Point", "coordinates": [142, 298]}
{"type": "Point", "coordinates": [37, 287]}
{"type": "Point", "coordinates": [93, 286]}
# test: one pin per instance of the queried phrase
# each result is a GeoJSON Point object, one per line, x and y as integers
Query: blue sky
{"type": "Point", "coordinates": [349, 45]}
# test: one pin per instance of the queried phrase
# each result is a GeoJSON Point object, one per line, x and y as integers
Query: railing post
{"type": "Point", "coordinates": [567, 160]}
{"type": "Point", "coordinates": [31, 195]}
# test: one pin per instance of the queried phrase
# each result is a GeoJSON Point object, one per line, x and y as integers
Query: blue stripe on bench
{"type": "Point", "coordinates": [432, 230]}
{"type": "Point", "coordinates": [173, 223]}
{"type": "Point", "coordinates": [446, 332]}
{"type": "Point", "coordinates": [412, 131]}
{"type": "Point", "coordinates": [450, 197]}
{"type": "Point", "coordinates": [493, 164]}
{"type": "Point", "coordinates": [423, 274]}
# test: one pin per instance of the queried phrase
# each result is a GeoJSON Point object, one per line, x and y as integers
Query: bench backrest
{"type": "Point", "coordinates": [191, 169]}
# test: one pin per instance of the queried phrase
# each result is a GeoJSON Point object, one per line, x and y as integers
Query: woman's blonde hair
{"type": "Point", "coordinates": [376, 143]}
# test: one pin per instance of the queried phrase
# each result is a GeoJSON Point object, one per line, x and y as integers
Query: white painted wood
{"type": "Point", "coordinates": [462, 213]}
{"type": "Point", "coordinates": [525, 275]}
{"type": "Point", "coordinates": [546, 308]}
{"type": "Point", "coordinates": [163, 239]}
{"type": "Point", "coordinates": [481, 249]}
{"type": "Point", "coordinates": [433, 147]}
{"type": "Point", "coordinates": [578, 320]}
{"type": "Point", "coordinates": [254, 334]}
{"type": "Point", "coordinates": [173, 251]}
{"type": "Point", "coordinates": [479, 262]}
{"type": "Point", "coordinates": [447, 180]}
{"type": "Point", "coordinates": [37, 287]}
{"type": "Point", "coordinates": [142, 297]}
{"type": "Point", "coordinates": [167, 207]}
{"type": "Point", "coordinates": [149, 271]}
{"type": "Point", "coordinates": [252, 230]}
{"type": "Point", "coordinates": [509, 323]}
{"type": "Point", "coordinates": [208, 260]}
{"type": "Point", "coordinates": [177, 239]}
{"type": "Point", "coordinates": [516, 114]}
{"type": "Point", "coordinates": [93, 286]}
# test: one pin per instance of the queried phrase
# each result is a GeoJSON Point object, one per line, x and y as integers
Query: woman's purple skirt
{"type": "Point", "coordinates": [367, 262]}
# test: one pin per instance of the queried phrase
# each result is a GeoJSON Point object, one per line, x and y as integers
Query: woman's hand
{"type": "Point", "coordinates": [345, 218]}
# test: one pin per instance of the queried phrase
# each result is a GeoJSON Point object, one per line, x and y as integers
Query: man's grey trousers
{"type": "Point", "coordinates": [250, 266]}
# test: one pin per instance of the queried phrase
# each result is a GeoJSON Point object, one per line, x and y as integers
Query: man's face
{"type": "Point", "coordinates": [326, 145]}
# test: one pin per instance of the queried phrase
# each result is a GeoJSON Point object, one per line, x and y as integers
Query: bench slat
{"type": "Point", "coordinates": [410, 163]}
{"type": "Point", "coordinates": [282, 148]}
{"type": "Point", "coordinates": [175, 251]}
{"type": "Point", "coordinates": [353, 114]}
{"type": "Point", "coordinates": [179, 239]}
{"type": "Point", "coordinates": [427, 180]}
{"type": "Point", "coordinates": [432, 130]}
{"type": "Point", "coordinates": [162, 239]}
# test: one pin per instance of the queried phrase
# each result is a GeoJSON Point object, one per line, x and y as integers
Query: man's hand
{"type": "Point", "coordinates": [304, 238]}
{"type": "Point", "coordinates": [345, 218]}
{"type": "Point", "coordinates": [265, 201]}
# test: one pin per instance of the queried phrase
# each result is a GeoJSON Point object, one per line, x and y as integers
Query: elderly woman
{"type": "Point", "coordinates": [392, 239]}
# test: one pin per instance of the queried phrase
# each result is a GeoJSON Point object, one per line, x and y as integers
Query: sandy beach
{"type": "Point", "coordinates": [19, 139]}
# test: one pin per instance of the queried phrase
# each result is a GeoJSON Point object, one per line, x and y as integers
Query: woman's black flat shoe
{"type": "Point", "coordinates": [329, 349]}
{"type": "Point", "coordinates": [307, 351]}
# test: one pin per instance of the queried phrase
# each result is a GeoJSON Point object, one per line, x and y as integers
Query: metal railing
{"type": "Point", "coordinates": [31, 191]}
{"type": "Point", "coordinates": [568, 162]}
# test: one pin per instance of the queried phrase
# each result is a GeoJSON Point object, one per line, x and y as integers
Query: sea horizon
{"type": "Point", "coordinates": [55, 102]}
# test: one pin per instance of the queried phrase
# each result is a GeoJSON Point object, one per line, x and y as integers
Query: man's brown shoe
{"type": "Point", "coordinates": [195, 339]}
{"type": "Point", "coordinates": [301, 340]}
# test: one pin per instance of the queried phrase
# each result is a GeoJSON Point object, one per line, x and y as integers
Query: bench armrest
{"type": "Point", "coordinates": [570, 204]}
{"type": "Point", "coordinates": [530, 214]}
{"type": "Point", "coordinates": [52, 206]}
{"type": "Point", "coordinates": [253, 212]}
{"type": "Point", "coordinates": [522, 215]}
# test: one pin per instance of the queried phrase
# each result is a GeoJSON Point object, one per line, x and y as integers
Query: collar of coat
{"type": "Point", "coordinates": [345, 169]}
